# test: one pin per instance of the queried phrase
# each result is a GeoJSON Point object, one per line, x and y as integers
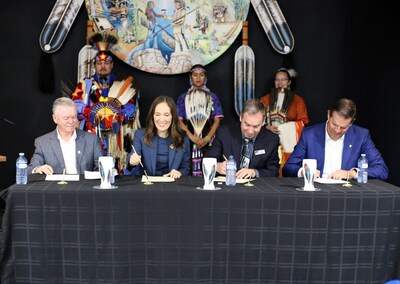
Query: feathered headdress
{"type": "Point", "coordinates": [103, 43]}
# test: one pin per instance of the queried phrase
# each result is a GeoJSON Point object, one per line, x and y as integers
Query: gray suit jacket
{"type": "Point", "coordinates": [48, 151]}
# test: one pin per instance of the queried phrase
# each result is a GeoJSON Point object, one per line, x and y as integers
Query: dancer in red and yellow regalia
{"type": "Point", "coordinates": [107, 106]}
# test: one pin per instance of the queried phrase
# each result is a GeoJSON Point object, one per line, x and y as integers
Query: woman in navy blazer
{"type": "Point", "coordinates": [162, 147]}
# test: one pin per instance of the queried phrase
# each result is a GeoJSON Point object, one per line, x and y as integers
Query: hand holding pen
{"type": "Point", "coordinates": [135, 159]}
{"type": "Point", "coordinates": [221, 167]}
{"type": "Point", "coordinates": [138, 158]}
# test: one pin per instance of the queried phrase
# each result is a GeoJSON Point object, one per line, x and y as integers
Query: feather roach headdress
{"type": "Point", "coordinates": [103, 43]}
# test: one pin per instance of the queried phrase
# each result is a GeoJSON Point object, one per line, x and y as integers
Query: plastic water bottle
{"type": "Point", "coordinates": [362, 176]}
{"type": "Point", "coordinates": [230, 172]}
{"type": "Point", "coordinates": [22, 169]}
{"type": "Point", "coordinates": [112, 179]}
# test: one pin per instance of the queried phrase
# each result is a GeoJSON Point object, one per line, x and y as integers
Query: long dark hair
{"type": "Point", "coordinates": [175, 132]}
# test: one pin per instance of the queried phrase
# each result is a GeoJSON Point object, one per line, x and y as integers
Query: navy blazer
{"type": "Point", "coordinates": [178, 158]}
{"type": "Point", "coordinates": [357, 140]}
{"type": "Point", "coordinates": [48, 151]}
{"type": "Point", "coordinates": [228, 141]}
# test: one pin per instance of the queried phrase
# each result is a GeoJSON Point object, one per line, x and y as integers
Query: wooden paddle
{"type": "Point", "coordinates": [244, 72]}
{"type": "Point", "coordinates": [275, 26]}
{"type": "Point", "coordinates": [58, 24]}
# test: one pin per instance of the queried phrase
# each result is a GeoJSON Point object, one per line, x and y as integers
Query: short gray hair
{"type": "Point", "coordinates": [64, 101]}
{"type": "Point", "coordinates": [253, 106]}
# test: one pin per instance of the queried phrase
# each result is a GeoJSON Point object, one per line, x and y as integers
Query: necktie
{"type": "Point", "coordinates": [246, 154]}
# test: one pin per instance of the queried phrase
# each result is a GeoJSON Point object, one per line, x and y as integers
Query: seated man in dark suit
{"type": "Point", "coordinates": [66, 147]}
{"type": "Point", "coordinates": [336, 145]}
{"type": "Point", "coordinates": [254, 148]}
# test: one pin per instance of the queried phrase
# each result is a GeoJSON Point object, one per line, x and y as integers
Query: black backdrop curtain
{"type": "Point", "coordinates": [342, 49]}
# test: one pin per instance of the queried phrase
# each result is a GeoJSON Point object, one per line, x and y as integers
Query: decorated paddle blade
{"type": "Point", "coordinates": [85, 62]}
{"type": "Point", "coordinates": [244, 72]}
{"type": "Point", "coordinates": [274, 24]}
{"type": "Point", "coordinates": [58, 24]}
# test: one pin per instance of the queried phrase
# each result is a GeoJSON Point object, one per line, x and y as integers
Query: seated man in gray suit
{"type": "Point", "coordinates": [66, 147]}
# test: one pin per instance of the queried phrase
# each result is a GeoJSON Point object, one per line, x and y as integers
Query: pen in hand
{"type": "Point", "coordinates": [133, 148]}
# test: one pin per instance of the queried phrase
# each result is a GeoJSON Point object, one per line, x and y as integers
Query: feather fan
{"type": "Point", "coordinates": [198, 104]}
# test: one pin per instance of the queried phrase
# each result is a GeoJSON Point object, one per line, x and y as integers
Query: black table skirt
{"type": "Point", "coordinates": [175, 233]}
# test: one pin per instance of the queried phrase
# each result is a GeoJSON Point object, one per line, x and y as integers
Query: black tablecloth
{"type": "Point", "coordinates": [175, 233]}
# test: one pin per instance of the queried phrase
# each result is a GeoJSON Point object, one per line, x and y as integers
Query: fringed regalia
{"type": "Point", "coordinates": [108, 106]}
{"type": "Point", "coordinates": [198, 106]}
{"type": "Point", "coordinates": [276, 115]}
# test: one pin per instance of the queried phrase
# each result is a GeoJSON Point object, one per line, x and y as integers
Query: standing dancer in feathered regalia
{"type": "Point", "coordinates": [202, 108]}
{"type": "Point", "coordinates": [108, 106]}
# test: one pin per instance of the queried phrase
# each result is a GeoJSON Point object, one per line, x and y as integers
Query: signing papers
{"type": "Point", "coordinates": [329, 181]}
{"type": "Point", "coordinates": [58, 177]}
{"type": "Point", "coordinates": [157, 179]}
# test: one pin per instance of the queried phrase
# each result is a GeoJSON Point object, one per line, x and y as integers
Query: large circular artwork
{"type": "Point", "coordinates": [169, 36]}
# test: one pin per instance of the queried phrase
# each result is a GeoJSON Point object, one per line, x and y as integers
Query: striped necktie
{"type": "Point", "coordinates": [246, 153]}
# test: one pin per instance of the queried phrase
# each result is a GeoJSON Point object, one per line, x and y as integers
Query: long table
{"type": "Point", "coordinates": [175, 233]}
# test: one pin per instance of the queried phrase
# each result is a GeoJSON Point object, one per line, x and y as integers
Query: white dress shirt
{"type": "Point", "coordinates": [69, 153]}
{"type": "Point", "coordinates": [333, 154]}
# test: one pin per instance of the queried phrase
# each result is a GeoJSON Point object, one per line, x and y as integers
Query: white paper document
{"type": "Point", "coordinates": [62, 177]}
{"type": "Point", "coordinates": [157, 179]}
{"type": "Point", "coordinates": [329, 181]}
{"type": "Point", "coordinates": [238, 180]}
{"type": "Point", "coordinates": [92, 175]}
{"type": "Point", "coordinates": [95, 174]}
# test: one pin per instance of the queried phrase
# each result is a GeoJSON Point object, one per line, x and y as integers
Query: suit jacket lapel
{"type": "Point", "coordinates": [319, 147]}
{"type": "Point", "coordinates": [347, 147]}
{"type": "Point", "coordinates": [153, 154]}
{"type": "Point", "coordinates": [171, 155]}
{"type": "Point", "coordinates": [237, 145]}
{"type": "Point", "coordinates": [79, 151]}
{"type": "Point", "coordinates": [56, 147]}
{"type": "Point", "coordinates": [257, 146]}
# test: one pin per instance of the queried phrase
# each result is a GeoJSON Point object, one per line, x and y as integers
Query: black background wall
{"type": "Point", "coordinates": [342, 49]}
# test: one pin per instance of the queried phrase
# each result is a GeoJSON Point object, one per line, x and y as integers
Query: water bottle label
{"type": "Point", "coordinates": [22, 166]}
{"type": "Point", "coordinates": [364, 166]}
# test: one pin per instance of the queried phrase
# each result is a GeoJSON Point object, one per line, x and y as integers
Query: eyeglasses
{"type": "Point", "coordinates": [281, 79]}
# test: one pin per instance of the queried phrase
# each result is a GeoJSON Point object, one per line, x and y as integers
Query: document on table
{"type": "Point", "coordinates": [329, 181]}
{"type": "Point", "coordinates": [92, 175]}
{"type": "Point", "coordinates": [95, 174]}
{"type": "Point", "coordinates": [238, 180]}
{"type": "Point", "coordinates": [59, 177]}
{"type": "Point", "coordinates": [157, 179]}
